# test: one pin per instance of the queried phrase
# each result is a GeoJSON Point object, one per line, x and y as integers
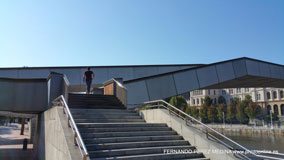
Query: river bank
{"type": "Point", "coordinates": [248, 130]}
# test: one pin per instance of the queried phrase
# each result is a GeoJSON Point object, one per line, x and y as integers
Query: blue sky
{"type": "Point", "coordinates": [125, 32]}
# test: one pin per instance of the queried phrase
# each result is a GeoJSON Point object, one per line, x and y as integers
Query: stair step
{"type": "Point", "coordinates": [138, 151]}
{"type": "Point", "coordinates": [143, 144]}
{"type": "Point", "coordinates": [131, 139]}
{"type": "Point", "coordinates": [119, 125]}
{"type": "Point", "coordinates": [125, 129]}
{"type": "Point", "coordinates": [105, 120]}
{"type": "Point", "coordinates": [196, 156]}
{"type": "Point", "coordinates": [126, 134]}
{"type": "Point", "coordinates": [96, 107]}
{"type": "Point", "coordinates": [111, 111]}
{"type": "Point", "coordinates": [93, 113]}
{"type": "Point", "coordinates": [106, 116]}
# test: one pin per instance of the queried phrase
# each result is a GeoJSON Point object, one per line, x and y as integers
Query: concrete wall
{"type": "Point", "coordinates": [30, 95]}
{"type": "Point", "coordinates": [237, 73]}
{"type": "Point", "coordinates": [54, 139]}
{"type": "Point", "coordinates": [103, 73]}
{"type": "Point", "coordinates": [23, 95]}
{"type": "Point", "coordinates": [193, 135]}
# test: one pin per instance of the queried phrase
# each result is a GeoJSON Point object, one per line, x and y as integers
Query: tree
{"type": "Point", "coordinates": [231, 112]}
{"type": "Point", "coordinates": [220, 110]}
{"type": "Point", "coordinates": [247, 100]}
{"type": "Point", "coordinates": [203, 113]}
{"type": "Point", "coordinates": [235, 101]}
{"type": "Point", "coordinates": [252, 110]}
{"type": "Point", "coordinates": [193, 111]}
{"type": "Point", "coordinates": [240, 115]}
{"type": "Point", "coordinates": [221, 100]}
{"type": "Point", "coordinates": [212, 113]}
{"type": "Point", "coordinates": [207, 101]}
{"type": "Point", "coordinates": [179, 102]}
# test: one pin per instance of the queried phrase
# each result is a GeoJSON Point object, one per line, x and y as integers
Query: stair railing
{"type": "Point", "coordinates": [78, 141]}
{"type": "Point", "coordinates": [241, 152]}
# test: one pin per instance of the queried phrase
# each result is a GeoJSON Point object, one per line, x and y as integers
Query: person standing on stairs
{"type": "Point", "coordinates": [88, 77]}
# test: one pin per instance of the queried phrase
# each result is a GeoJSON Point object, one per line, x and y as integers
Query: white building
{"type": "Point", "coordinates": [267, 98]}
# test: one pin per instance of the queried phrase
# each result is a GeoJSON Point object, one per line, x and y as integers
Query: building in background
{"type": "Point", "coordinates": [267, 98]}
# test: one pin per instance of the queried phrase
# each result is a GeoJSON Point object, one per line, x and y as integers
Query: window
{"type": "Point", "coordinates": [274, 94]}
{"type": "Point", "coordinates": [239, 90]}
{"type": "Point", "coordinates": [258, 96]}
{"type": "Point", "coordinates": [246, 89]}
{"type": "Point", "coordinates": [193, 101]}
{"type": "Point", "coordinates": [214, 92]}
{"type": "Point", "coordinates": [197, 92]}
{"type": "Point", "coordinates": [197, 101]}
{"type": "Point", "coordinates": [275, 107]}
{"type": "Point", "coordinates": [281, 94]}
{"type": "Point", "coordinates": [223, 92]}
{"type": "Point", "coordinates": [208, 92]}
{"type": "Point", "coordinates": [202, 100]}
{"type": "Point", "coordinates": [268, 95]}
{"type": "Point", "coordinates": [231, 91]}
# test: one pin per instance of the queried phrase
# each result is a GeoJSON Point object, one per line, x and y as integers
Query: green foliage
{"type": "Point", "coordinates": [207, 101]}
{"type": "Point", "coordinates": [179, 102]}
{"type": "Point", "coordinates": [212, 113]}
{"type": "Point", "coordinates": [203, 113]}
{"type": "Point", "coordinates": [193, 111]}
{"type": "Point", "coordinates": [220, 110]}
{"type": "Point", "coordinates": [274, 118]}
{"type": "Point", "coordinates": [235, 101]}
{"type": "Point", "coordinates": [252, 110]}
{"type": "Point", "coordinates": [221, 100]}
{"type": "Point", "coordinates": [240, 115]}
{"type": "Point", "coordinates": [247, 100]}
{"type": "Point", "coordinates": [231, 112]}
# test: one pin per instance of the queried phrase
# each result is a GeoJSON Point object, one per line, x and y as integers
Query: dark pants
{"type": "Point", "coordinates": [89, 83]}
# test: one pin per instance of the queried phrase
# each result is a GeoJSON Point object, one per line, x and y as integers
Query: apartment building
{"type": "Point", "coordinates": [267, 98]}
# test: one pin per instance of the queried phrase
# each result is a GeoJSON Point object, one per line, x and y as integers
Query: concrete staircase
{"type": "Point", "coordinates": [116, 133]}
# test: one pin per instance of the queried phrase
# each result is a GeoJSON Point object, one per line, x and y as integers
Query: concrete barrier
{"type": "Point", "coordinates": [210, 149]}
{"type": "Point", "coordinates": [54, 139]}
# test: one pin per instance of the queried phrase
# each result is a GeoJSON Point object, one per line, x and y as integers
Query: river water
{"type": "Point", "coordinates": [259, 142]}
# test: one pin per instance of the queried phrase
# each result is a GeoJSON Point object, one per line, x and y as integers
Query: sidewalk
{"type": "Point", "coordinates": [11, 143]}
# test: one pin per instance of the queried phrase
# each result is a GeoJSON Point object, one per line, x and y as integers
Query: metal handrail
{"type": "Point", "coordinates": [213, 130]}
{"type": "Point", "coordinates": [71, 123]}
{"type": "Point", "coordinates": [118, 83]}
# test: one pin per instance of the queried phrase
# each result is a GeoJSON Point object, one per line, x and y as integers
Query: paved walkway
{"type": "Point", "coordinates": [11, 143]}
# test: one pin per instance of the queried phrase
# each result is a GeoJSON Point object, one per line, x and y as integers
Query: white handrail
{"type": "Point", "coordinates": [73, 126]}
{"type": "Point", "coordinates": [120, 85]}
{"type": "Point", "coordinates": [213, 130]}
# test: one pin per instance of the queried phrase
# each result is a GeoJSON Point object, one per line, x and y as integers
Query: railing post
{"type": "Point", "coordinates": [68, 119]}
{"type": "Point", "coordinates": [207, 133]}
{"type": "Point", "coordinates": [75, 136]}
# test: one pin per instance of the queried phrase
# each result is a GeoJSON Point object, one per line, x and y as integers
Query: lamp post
{"type": "Point", "coordinates": [223, 120]}
{"type": "Point", "coordinates": [271, 119]}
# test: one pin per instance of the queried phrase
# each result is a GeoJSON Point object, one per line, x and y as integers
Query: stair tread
{"type": "Point", "coordinates": [144, 148]}
{"type": "Point", "coordinates": [136, 137]}
{"type": "Point", "coordinates": [135, 142]}
{"type": "Point", "coordinates": [134, 132]}
{"type": "Point", "coordinates": [149, 156]}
